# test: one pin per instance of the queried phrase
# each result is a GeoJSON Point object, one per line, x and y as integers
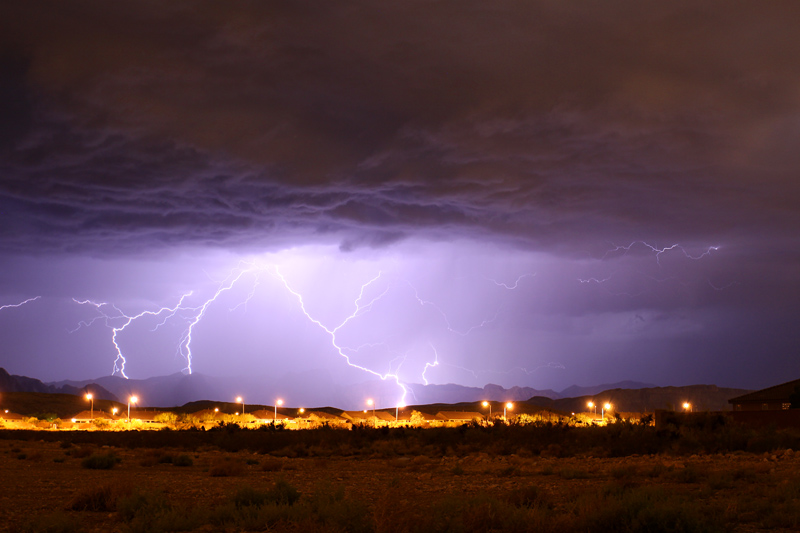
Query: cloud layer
{"type": "Point", "coordinates": [568, 141]}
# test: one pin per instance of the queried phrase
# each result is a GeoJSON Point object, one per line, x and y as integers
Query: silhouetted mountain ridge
{"type": "Point", "coordinates": [12, 383]}
{"type": "Point", "coordinates": [646, 399]}
{"type": "Point", "coordinates": [317, 388]}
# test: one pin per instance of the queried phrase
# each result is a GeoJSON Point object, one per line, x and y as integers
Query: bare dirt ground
{"type": "Point", "coordinates": [38, 478]}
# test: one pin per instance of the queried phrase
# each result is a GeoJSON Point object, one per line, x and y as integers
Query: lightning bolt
{"type": "Point", "coordinates": [359, 309]}
{"type": "Point", "coordinates": [118, 321]}
{"type": "Point", "coordinates": [29, 300]}
{"type": "Point", "coordinates": [185, 344]}
{"type": "Point", "coordinates": [450, 328]}
{"type": "Point", "coordinates": [660, 251]}
{"type": "Point", "coordinates": [127, 320]}
{"type": "Point", "coordinates": [516, 283]}
{"type": "Point", "coordinates": [430, 365]}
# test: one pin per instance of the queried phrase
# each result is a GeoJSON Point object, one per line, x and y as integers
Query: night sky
{"type": "Point", "coordinates": [522, 193]}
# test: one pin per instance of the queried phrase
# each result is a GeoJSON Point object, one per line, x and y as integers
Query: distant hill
{"type": "Point", "coordinates": [11, 383]}
{"type": "Point", "coordinates": [576, 391]}
{"type": "Point", "coordinates": [701, 398]}
{"type": "Point", "coordinates": [452, 393]}
{"type": "Point", "coordinates": [180, 389]}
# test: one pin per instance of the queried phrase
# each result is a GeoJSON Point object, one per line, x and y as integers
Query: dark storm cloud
{"type": "Point", "coordinates": [546, 123]}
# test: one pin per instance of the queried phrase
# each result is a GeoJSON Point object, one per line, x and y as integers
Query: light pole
{"type": "Point", "coordinates": [114, 411]}
{"type": "Point", "coordinates": [132, 399]}
{"type": "Point", "coordinates": [606, 407]}
{"type": "Point", "coordinates": [508, 406]}
{"type": "Point", "coordinates": [489, 405]}
{"type": "Point", "coordinates": [397, 411]}
{"type": "Point", "coordinates": [274, 418]}
{"type": "Point", "coordinates": [91, 399]}
{"type": "Point", "coordinates": [240, 400]}
{"type": "Point", "coordinates": [371, 403]}
{"type": "Point", "coordinates": [687, 406]}
{"type": "Point", "coordinates": [591, 405]}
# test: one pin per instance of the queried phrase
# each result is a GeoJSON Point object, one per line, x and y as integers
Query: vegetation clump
{"type": "Point", "coordinates": [100, 461]}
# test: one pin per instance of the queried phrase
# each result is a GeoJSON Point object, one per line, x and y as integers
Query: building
{"type": "Point", "coordinates": [458, 417]}
{"type": "Point", "coordinates": [268, 416]}
{"type": "Point", "coordinates": [777, 398]}
{"type": "Point", "coordinates": [319, 418]}
{"type": "Point", "coordinates": [85, 417]}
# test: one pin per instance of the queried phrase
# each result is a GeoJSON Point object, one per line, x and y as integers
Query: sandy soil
{"type": "Point", "coordinates": [43, 477]}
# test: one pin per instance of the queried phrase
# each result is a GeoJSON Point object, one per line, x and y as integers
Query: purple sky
{"type": "Point", "coordinates": [489, 160]}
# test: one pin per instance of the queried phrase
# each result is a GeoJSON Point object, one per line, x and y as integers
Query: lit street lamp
{"type": "Point", "coordinates": [277, 403]}
{"type": "Point", "coordinates": [91, 399]}
{"type": "Point", "coordinates": [508, 406]}
{"type": "Point", "coordinates": [371, 403]}
{"type": "Point", "coordinates": [132, 399]}
{"type": "Point", "coordinates": [489, 405]}
{"type": "Point", "coordinates": [240, 400]}
{"type": "Point", "coordinates": [687, 406]}
{"type": "Point", "coordinates": [606, 407]}
{"type": "Point", "coordinates": [592, 405]}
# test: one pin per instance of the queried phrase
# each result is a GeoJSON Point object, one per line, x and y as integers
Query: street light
{"type": "Point", "coordinates": [591, 405]}
{"type": "Point", "coordinates": [91, 399]}
{"type": "Point", "coordinates": [114, 411]}
{"type": "Point", "coordinates": [489, 405]}
{"type": "Point", "coordinates": [508, 406]}
{"type": "Point", "coordinates": [687, 406]}
{"type": "Point", "coordinates": [240, 400]}
{"type": "Point", "coordinates": [371, 403]}
{"type": "Point", "coordinates": [277, 403]}
{"type": "Point", "coordinates": [606, 407]}
{"type": "Point", "coordinates": [132, 399]}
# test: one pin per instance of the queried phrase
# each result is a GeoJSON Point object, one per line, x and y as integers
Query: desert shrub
{"type": "Point", "coordinates": [81, 452]}
{"type": "Point", "coordinates": [226, 468]}
{"type": "Point", "coordinates": [623, 472]}
{"type": "Point", "coordinates": [167, 418]}
{"type": "Point", "coordinates": [101, 497]}
{"type": "Point", "coordinates": [477, 514]}
{"type": "Point", "coordinates": [688, 474]}
{"type": "Point", "coordinates": [283, 493]}
{"type": "Point", "coordinates": [183, 460]}
{"type": "Point", "coordinates": [138, 502]}
{"type": "Point", "coordinates": [571, 472]}
{"type": "Point", "coordinates": [151, 512]}
{"type": "Point", "coordinates": [329, 506]}
{"type": "Point", "coordinates": [164, 458]}
{"type": "Point", "coordinates": [648, 509]}
{"type": "Point", "coordinates": [529, 496]}
{"type": "Point", "coordinates": [105, 461]}
{"type": "Point", "coordinates": [508, 471]}
{"type": "Point", "coordinates": [271, 464]}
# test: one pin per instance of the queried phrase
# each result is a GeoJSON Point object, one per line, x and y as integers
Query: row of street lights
{"type": "Point", "coordinates": [507, 406]}
{"type": "Point", "coordinates": [606, 407]}
{"type": "Point", "coordinates": [90, 397]}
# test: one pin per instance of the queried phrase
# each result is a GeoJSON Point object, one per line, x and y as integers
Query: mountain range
{"type": "Point", "coordinates": [179, 389]}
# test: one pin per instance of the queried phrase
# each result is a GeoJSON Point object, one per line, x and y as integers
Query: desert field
{"type": "Point", "coordinates": [378, 481]}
